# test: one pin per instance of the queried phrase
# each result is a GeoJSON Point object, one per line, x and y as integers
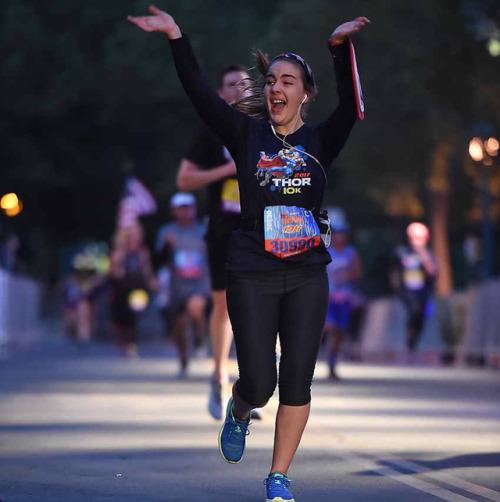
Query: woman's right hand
{"type": "Point", "coordinates": [159, 21]}
{"type": "Point", "coordinates": [347, 30]}
{"type": "Point", "coordinates": [230, 168]}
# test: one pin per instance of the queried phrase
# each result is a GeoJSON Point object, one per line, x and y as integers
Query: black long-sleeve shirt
{"type": "Point", "coordinates": [267, 176]}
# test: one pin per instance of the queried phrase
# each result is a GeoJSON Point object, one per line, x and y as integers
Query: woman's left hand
{"type": "Point", "coordinates": [348, 29]}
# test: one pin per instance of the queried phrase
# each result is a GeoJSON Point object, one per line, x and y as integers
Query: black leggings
{"type": "Point", "coordinates": [292, 302]}
{"type": "Point", "coordinates": [415, 302]}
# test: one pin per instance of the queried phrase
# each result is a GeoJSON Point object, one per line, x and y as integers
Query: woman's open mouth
{"type": "Point", "coordinates": [277, 105]}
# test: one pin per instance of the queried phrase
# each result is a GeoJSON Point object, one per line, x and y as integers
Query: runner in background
{"type": "Point", "coordinates": [181, 243]}
{"type": "Point", "coordinates": [415, 274]}
{"type": "Point", "coordinates": [343, 271]}
{"type": "Point", "coordinates": [131, 277]}
{"type": "Point", "coordinates": [208, 163]}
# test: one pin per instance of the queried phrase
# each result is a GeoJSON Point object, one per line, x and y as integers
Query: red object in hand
{"type": "Point", "coordinates": [358, 92]}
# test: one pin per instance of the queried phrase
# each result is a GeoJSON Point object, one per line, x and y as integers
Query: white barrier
{"type": "Point", "coordinates": [482, 326]}
{"type": "Point", "coordinates": [19, 310]}
{"type": "Point", "coordinates": [384, 328]}
{"type": "Point", "coordinates": [474, 320]}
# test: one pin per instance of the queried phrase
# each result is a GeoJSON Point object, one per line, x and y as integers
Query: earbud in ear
{"type": "Point", "coordinates": [305, 97]}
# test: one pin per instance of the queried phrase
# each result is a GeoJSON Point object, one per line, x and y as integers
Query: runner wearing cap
{"type": "Point", "coordinates": [181, 242]}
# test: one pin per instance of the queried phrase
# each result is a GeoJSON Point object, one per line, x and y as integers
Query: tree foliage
{"type": "Point", "coordinates": [82, 89]}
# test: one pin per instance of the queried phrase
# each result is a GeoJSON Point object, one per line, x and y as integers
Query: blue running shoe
{"type": "Point", "coordinates": [232, 436]}
{"type": "Point", "coordinates": [277, 485]}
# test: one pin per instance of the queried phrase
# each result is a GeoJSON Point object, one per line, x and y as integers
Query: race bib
{"type": "Point", "coordinates": [414, 280]}
{"type": "Point", "coordinates": [188, 264]}
{"type": "Point", "coordinates": [289, 230]}
{"type": "Point", "coordinates": [230, 197]}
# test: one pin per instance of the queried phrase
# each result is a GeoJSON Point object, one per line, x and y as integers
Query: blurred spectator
{"type": "Point", "coordinates": [473, 258]}
{"type": "Point", "coordinates": [81, 290]}
{"type": "Point", "coordinates": [343, 271]}
{"type": "Point", "coordinates": [182, 244]}
{"type": "Point", "coordinates": [131, 277]}
{"type": "Point", "coordinates": [413, 278]}
{"type": "Point", "coordinates": [10, 254]}
{"type": "Point", "coordinates": [71, 295]}
{"type": "Point", "coordinates": [358, 309]}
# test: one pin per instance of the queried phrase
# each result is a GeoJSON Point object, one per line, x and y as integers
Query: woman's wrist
{"type": "Point", "coordinates": [174, 33]}
{"type": "Point", "coordinates": [337, 40]}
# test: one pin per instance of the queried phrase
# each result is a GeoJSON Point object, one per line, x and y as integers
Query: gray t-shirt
{"type": "Point", "coordinates": [187, 258]}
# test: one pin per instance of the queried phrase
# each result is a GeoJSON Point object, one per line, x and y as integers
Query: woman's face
{"type": "Point", "coordinates": [284, 93]}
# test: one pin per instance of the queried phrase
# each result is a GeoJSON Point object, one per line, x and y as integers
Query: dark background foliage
{"type": "Point", "coordinates": [82, 90]}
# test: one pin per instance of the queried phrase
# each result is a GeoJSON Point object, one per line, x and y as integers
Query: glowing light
{"type": "Point", "coordinates": [494, 47]}
{"type": "Point", "coordinates": [492, 146]}
{"type": "Point", "coordinates": [138, 300]}
{"type": "Point", "coordinates": [14, 211]}
{"type": "Point", "coordinates": [476, 149]}
{"type": "Point", "coordinates": [9, 201]}
{"type": "Point", "coordinates": [417, 231]}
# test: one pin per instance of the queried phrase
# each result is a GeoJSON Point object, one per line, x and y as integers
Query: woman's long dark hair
{"type": "Point", "coordinates": [253, 100]}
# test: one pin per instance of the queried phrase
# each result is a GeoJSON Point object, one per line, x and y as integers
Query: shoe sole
{"type": "Point", "coordinates": [220, 435]}
{"type": "Point", "coordinates": [280, 499]}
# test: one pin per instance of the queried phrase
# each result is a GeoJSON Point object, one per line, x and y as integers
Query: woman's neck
{"type": "Point", "coordinates": [288, 129]}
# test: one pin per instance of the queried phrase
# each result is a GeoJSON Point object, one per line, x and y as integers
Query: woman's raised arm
{"type": "Point", "coordinates": [228, 123]}
{"type": "Point", "coordinates": [159, 21]}
{"type": "Point", "coordinates": [337, 127]}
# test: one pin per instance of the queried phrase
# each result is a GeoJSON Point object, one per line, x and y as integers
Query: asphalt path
{"type": "Point", "coordinates": [91, 426]}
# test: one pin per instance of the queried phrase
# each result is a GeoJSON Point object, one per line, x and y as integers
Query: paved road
{"type": "Point", "coordinates": [93, 426]}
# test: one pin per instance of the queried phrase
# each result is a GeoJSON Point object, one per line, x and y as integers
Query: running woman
{"type": "Point", "coordinates": [274, 283]}
{"type": "Point", "coordinates": [208, 163]}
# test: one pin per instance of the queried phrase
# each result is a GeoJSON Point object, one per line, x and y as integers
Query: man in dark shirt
{"type": "Point", "coordinates": [208, 163]}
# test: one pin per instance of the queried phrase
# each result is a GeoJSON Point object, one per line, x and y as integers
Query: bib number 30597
{"type": "Point", "coordinates": [289, 230]}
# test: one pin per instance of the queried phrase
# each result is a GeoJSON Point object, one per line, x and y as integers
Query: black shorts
{"type": "Point", "coordinates": [291, 302]}
{"type": "Point", "coordinates": [217, 246]}
{"type": "Point", "coordinates": [179, 301]}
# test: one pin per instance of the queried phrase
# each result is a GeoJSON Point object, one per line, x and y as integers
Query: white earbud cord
{"type": "Point", "coordinates": [288, 145]}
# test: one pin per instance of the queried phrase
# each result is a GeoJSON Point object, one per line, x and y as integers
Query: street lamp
{"type": "Point", "coordinates": [484, 153]}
